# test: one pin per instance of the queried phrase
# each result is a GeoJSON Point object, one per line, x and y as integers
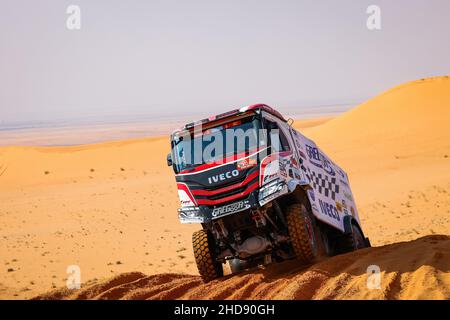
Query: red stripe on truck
{"type": "Point", "coordinates": [201, 192]}
{"type": "Point", "coordinates": [249, 189]}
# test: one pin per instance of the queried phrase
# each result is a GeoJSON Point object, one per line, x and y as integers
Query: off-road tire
{"type": "Point", "coordinates": [352, 241]}
{"type": "Point", "coordinates": [203, 246]}
{"type": "Point", "coordinates": [325, 245]}
{"type": "Point", "coordinates": [302, 231]}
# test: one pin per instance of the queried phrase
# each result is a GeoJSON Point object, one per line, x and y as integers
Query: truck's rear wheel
{"type": "Point", "coordinates": [302, 232]}
{"type": "Point", "coordinates": [204, 254]}
{"type": "Point", "coordinates": [325, 244]}
{"type": "Point", "coordinates": [352, 241]}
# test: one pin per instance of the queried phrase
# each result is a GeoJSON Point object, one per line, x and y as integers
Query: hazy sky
{"type": "Point", "coordinates": [168, 57]}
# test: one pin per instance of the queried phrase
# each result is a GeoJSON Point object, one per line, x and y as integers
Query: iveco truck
{"type": "Point", "coordinates": [261, 191]}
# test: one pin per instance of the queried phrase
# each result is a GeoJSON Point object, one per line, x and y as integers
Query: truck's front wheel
{"type": "Point", "coordinates": [302, 231]}
{"type": "Point", "coordinates": [204, 254]}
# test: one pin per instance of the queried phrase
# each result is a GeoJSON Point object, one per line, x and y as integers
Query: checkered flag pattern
{"type": "Point", "coordinates": [323, 184]}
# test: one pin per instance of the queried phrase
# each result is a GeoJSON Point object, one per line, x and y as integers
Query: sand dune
{"type": "Point", "coordinates": [111, 209]}
{"type": "Point", "coordinates": [418, 269]}
{"type": "Point", "coordinates": [396, 149]}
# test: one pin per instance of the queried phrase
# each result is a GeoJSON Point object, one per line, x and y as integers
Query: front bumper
{"type": "Point", "coordinates": [204, 214]}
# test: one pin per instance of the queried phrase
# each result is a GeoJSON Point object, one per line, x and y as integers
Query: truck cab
{"type": "Point", "coordinates": [261, 191]}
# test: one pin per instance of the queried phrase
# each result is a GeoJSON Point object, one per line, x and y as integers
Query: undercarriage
{"type": "Point", "coordinates": [256, 237]}
{"type": "Point", "coordinates": [252, 235]}
{"type": "Point", "coordinates": [272, 233]}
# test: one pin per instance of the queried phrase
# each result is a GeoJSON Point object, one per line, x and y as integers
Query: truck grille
{"type": "Point", "coordinates": [227, 192]}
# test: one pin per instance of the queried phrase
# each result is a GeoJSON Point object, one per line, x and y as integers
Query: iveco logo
{"type": "Point", "coordinates": [223, 176]}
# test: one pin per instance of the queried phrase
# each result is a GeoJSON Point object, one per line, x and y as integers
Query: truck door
{"type": "Point", "coordinates": [289, 165]}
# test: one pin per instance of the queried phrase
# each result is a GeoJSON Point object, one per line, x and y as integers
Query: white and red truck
{"type": "Point", "coordinates": [262, 192]}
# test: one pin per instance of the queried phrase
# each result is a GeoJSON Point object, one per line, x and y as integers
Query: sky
{"type": "Point", "coordinates": [171, 58]}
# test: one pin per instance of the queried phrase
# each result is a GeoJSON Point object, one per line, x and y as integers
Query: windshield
{"type": "Point", "coordinates": [217, 144]}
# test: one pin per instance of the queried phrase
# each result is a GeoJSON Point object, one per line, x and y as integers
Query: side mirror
{"type": "Point", "coordinates": [169, 160]}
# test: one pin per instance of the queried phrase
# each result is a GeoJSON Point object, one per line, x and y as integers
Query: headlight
{"type": "Point", "coordinates": [190, 215]}
{"type": "Point", "coordinates": [270, 189]}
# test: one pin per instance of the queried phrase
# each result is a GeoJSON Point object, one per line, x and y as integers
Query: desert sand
{"type": "Point", "coordinates": [411, 270]}
{"type": "Point", "coordinates": [111, 209]}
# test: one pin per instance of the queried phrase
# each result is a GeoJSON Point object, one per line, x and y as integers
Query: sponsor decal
{"type": "Point", "coordinates": [328, 167]}
{"type": "Point", "coordinates": [223, 176]}
{"type": "Point", "coordinates": [339, 206]}
{"type": "Point", "coordinates": [329, 210]}
{"type": "Point", "coordinates": [344, 206]}
{"type": "Point", "coordinates": [246, 163]}
{"type": "Point", "coordinates": [314, 156]}
{"type": "Point", "coordinates": [283, 168]}
{"type": "Point", "coordinates": [185, 202]}
{"type": "Point", "coordinates": [341, 173]}
{"type": "Point", "coordinates": [348, 196]}
{"type": "Point", "coordinates": [269, 177]}
{"type": "Point", "coordinates": [271, 170]}
{"type": "Point", "coordinates": [185, 196]}
{"type": "Point", "coordinates": [344, 183]}
{"type": "Point", "coordinates": [231, 208]}
{"type": "Point", "coordinates": [302, 154]}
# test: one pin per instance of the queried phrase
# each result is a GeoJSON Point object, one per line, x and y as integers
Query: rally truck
{"type": "Point", "coordinates": [272, 197]}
